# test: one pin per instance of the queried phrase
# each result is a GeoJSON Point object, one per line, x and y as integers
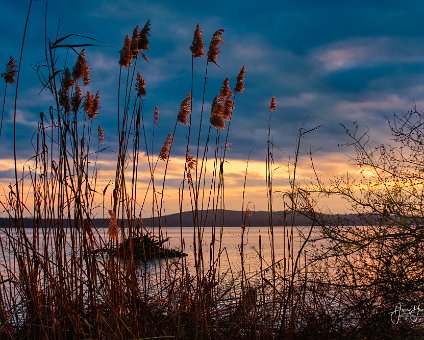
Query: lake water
{"type": "Point", "coordinates": [224, 258]}
{"type": "Point", "coordinates": [285, 245]}
{"type": "Point", "coordinates": [228, 240]}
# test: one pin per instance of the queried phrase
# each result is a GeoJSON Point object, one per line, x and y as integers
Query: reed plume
{"type": "Point", "coordinates": [240, 81]}
{"type": "Point", "coordinates": [96, 105]}
{"type": "Point", "coordinates": [9, 75]}
{"type": "Point", "coordinates": [113, 226]}
{"type": "Point", "coordinates": [140, 85]}
{"type": "Point", "coordinates": [100, 134]}
{"type": "Point", "coordinates": [217, 122]}
{"type": "Point", "coordinates": [134, 42]}
{"type": "Point", "coordinates": [166, 148]}
{"type": "Point", "coordinates": [156, 116]}
{"type": "Point", "coordinates": [225, 92]}
{"type": "Point", "coordinates": [185, 110]}
{"type": "Point", "coordinates": [197, 44]}
{"type": "Point", "coordinates": [228, 109]}
{"type": "Point", "coordinates": [143, 42]}
{"type": "Point", "coordinates": [217, 108]}
{"type": "Point", "coordinates": [76, 98]}
{"type": "Point", "coordinates": [81, 69]}
{"type": "Point", "coordinates": [191, 162]}
{"type": "Point", "coordinates": [273, 105]}
{"type": "Point", "coordinates": [222, 106]}
{"type": "Point", "coordinates": [67, 80]}
{"type": "Point", "coordinates": [125, 53]}
{"type": "Point", "coordinates": [92, 104]}
{"type": "Point", "coordinates": [217, 112]}
{"type": "Point", "coordinates": [64, 100]}
{"type": "Point", "coordinates": [88, 103]}
{"type": "Point", "coordinates": [214, 46]}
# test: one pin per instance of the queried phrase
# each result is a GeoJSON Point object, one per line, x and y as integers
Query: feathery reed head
{"type": "Point", "coordinates": [134, 42]}
{"type": "Point", "coordinates": [113, 226]}
{"type": "Point", "coordinates": [166, 148]}
{"type": "Point", "coordinates": [125, 53]}
{"type": "Point", "coordinates": [197, 44]}
{"type": "Point", "coordinates": [9, 75]}
{"type": "Point", "coordinates": [240, 81]}
{"type": "Point", "coordinates": [156, 116]}
{"type": "Point", "coordinates": [96, 105]}
{"type": "Point", "coordinates": [225, 92]}
{"type": "Point", "coordinates": [217, 122]}
{"type": "Point", "coordinates": [217, 39]}
{"type": "Point", "coordinates": [64, 100]}
{"type": "Point", "coordinates": [273, 105]}
{"type": "Point", "coordinates": [217, 112]}
{"type": "Point", "coordinates": [67, 80]}
{"type": "Point", "coordinates": [140, 85]}
{"type": "Point", "coordinates": [185, 110]}
{"type": "Point", "coordinates": [100, 134]}
{"type": "Point", "coordinates": [88, 103]}
{"type": "Point", "coordinates": [92, 104]}
{"type": "Point", "coordinates": [217, 107]}
{"type": "Point", "coordinates": [76, 98]}
{"type": "Point", "coordinates": [228, 109]}
{"type": "Point", "coordinates": [143, 41]}
{"type": "Point", "coordinates": [191, 162]}
{"type": "Point", "coordinates": [81, 69]}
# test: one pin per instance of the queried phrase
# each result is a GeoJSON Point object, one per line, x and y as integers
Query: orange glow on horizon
{"type": "Point", "coordinates": [327, 168]}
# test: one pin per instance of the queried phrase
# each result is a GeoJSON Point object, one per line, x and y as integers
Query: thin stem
{"type": "Point", "coordinates": [2, 111]}
{"type": "Point", "coordinates": [18, 202]}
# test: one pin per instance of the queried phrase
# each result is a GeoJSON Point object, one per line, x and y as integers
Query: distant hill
{"type": "Point", "coordinates": [227, 218]}
{"type": "Point", "coordinates": [231, 218]}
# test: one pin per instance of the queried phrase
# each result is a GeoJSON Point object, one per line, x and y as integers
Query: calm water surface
{"type": "Point", "coordinates": [231, 239]}
{"type": "Point", "coordinates": [228, 242]}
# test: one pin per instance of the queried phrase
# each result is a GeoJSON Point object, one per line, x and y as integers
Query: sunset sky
{"type": "Point", "coordinates": [327, 62]}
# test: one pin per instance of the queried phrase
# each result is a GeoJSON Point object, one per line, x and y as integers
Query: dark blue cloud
{"type": "Point", "coordinates": [7, 174]}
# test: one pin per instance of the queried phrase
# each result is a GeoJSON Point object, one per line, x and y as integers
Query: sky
{"type": "Point", "coordinates": [327, 63]}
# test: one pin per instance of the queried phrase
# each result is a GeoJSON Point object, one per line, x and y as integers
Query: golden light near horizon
{"type": "Point", "coordinates": [255, 190]}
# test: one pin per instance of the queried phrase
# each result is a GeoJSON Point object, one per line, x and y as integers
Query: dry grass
{"type": "Point", "coordinates": [56, 284]}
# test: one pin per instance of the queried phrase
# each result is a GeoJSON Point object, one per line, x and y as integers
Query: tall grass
{"type": "Point", "coordinates": [65, 277]}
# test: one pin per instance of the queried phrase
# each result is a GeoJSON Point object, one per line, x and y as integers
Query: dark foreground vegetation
{"type": "Point", "coordinates": [65, 279]}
